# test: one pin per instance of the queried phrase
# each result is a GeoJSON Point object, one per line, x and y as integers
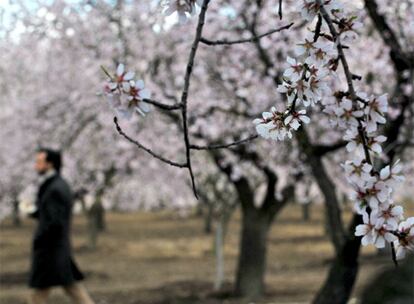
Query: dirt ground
{"type": "Point", "coordinates": [161, 258]}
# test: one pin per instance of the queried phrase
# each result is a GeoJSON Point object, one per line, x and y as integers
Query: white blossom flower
{"type": "Point", "coordinates": [295, 119]}
{"type": "Point", "coordinates": [182, 7]}
{"type": "Point", "coordinates": [354, 141]}
{"type": "Point", "coordinates": [288, 89]}
{"type": "Point", "coordinates": [375, 111]}
{"type": "Point", "coordinates": [305, 47]}
{"type": "Point", "coordinates": [346, 114]}
{"type": "Point", "coordinates": [314, 91]}
{"type": "Point", "coordinates": [358, 171]}
{"type": "Point", "coordinates": [359, 196]}
{"type": "Point", "coordinates": [121, 79]}
{"type": "Point", "coordinates": [374, 143]}
{"type": "Point", "coordinates": [295, 70]}
{"type": "Point", "coordinates": [136, 94]}
{"type": "Point", "coordinates": [272, 126]}
{"type": "Point", "coordinates": [373, 232]}
{"type": "Point", "coordinates": [383, 234]}
{"type": "Point", "coordinates": [321, 53]}
{"type": "Point", "coordinates": [405, 242]}
{"type": "Point", "coordinates": [390, 215]}
{"type": "Point", "coordinates": [310, 8]}
{"type": "Point", "coordinates": [391, 175]}
{"type": "Point", "coordinates": [366, 230]}
{"type": "Point", "coordinates": [378, 193]}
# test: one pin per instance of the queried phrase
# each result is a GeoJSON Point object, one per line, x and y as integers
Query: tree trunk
{"type": "Point", "coordinates": [306, 212]}
{"type": "Point", "coordinates": [15, 214]}
{"type": "Point", "coordinates": [220, 236]}
{"type": "Point", "coordinates": [208, 219]}
{"type": "Point", "coordinates": [219, 252]}
{"type": "Point", "coordinates": [99, 214]}
{"type": "Point", "coordinates": [252, 254]}
{"type": "Point", "coordinates": [96, 222]}
{"type": "Point", "coordinates": [327, 187]}
{"type": "Point", "coordinates": [343, 272]}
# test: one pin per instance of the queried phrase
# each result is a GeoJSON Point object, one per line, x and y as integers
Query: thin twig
{"type": "Point", "coordinates": [163, 106]}
{"type": "Point", "coordinates": [223, 146]}
{"type": "Point", "coordinates": [251, 39]}
{"type": "Point", "coordinates": [394, 256]}
{"type": "Point", "coordinates": [184, 95]}
{"type": "Point", "coordinates": [280, 10]}
{"type": "Point", "coordinates": [149, 151]}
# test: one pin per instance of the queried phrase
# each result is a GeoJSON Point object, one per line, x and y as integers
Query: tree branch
{"type": "Point", "coordinates": [184, 95]}
{"type": "Point", "coordinates": [223, 146]}
{"type": "Point", "coordinates": [248, 40]}
{"type": "Point", "coordinates": [164, 106]}
{"type": "Point", "coordinates": [149, 151]}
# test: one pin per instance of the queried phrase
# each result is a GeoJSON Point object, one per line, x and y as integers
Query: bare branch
{"type": "Point", "coordinates": [398, 57]}
{"type": "Point", "coordinates": [149, 151]}
{"type": "Point", "coordinates": [251, 39]}
{"type": "Point", "coordinates": [223, 146]}
{"type": "Point", "coordinates": [164, 106]}
{"type": "Point", "coordinates": [184, 95]}
{"type": "Point", "coordinates": [280, 11]}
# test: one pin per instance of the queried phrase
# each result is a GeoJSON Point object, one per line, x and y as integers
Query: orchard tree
{"type": "Point", "coordinates": [312, 77]}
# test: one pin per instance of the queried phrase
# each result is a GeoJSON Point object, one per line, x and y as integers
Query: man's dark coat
{"type": "Point", "coordinates": [52, 262]}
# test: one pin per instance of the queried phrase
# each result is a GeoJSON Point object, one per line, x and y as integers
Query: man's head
{"type": "Point", "coordinates": [47, 159]}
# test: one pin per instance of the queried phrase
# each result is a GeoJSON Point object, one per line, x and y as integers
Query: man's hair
{"type": "Point", "coordinates": [52, 156]}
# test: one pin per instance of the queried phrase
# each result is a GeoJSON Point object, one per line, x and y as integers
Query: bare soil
{"type": "Point", "coordinates": [161, 258]}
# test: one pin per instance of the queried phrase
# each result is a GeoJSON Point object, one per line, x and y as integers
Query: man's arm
{"type": "Point", "coordinates": [53, 218]}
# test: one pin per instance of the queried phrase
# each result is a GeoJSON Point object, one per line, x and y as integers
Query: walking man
{"type": "Point", "coordinates": [52, 263]}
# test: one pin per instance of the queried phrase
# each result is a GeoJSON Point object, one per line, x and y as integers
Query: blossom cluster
{"type": "Point", "coordinates": [184, 8]}
{"type": "Point", "coordinates": [305, 83]}
{"type": "Point", "coordinates": [125, 94]}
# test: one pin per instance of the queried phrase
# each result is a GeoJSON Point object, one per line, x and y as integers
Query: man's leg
{"type": "Point", "coordinates": [77, 292]}
{"type": "Point", "coordinates": [38, 296]}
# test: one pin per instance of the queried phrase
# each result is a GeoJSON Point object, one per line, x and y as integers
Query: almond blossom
{"type": "Point", "coordinates": [272, 126]}
{"type": "Point", "coordinates": [405, 242]}
{"type": "Point", "coordinates": [347, 116]}
{"type": "Point", "coordinates": [182, 7]}
{"type": "Point", "coordinates": [310, 8]}
{"type": "Point", "coordinates": [125, 94]}
{"type": "Point", "coordinates": [375, 111]}
{"type": "Point", "coordinates": [121, 79]}
{"type": "Point", "coordinates": [320, 53]}
{"type": "Point", "coordinates": [295, 70]}
{"type": "Point", "coordinates": [294, 119]}
{"type": "Point", "coordinates": [373, 232]}
{"type": "Point", "coordinates": [391, 175]}
{"type": "Point", "coordinates": [314, 91]}
{"type": "Point", "coordinates": [358, 171]}
{"type": "Point", "coordinates": [390, 215]}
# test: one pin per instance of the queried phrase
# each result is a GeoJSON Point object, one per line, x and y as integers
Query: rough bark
{"type": "Point", "coordinates": [250, 273]}
{"type": "Point", "coordinates": [327, 187]}
{"type": "Point", "coordinates": [252, 256]}
{"type": "Point", "coordinates": [343, 271]}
